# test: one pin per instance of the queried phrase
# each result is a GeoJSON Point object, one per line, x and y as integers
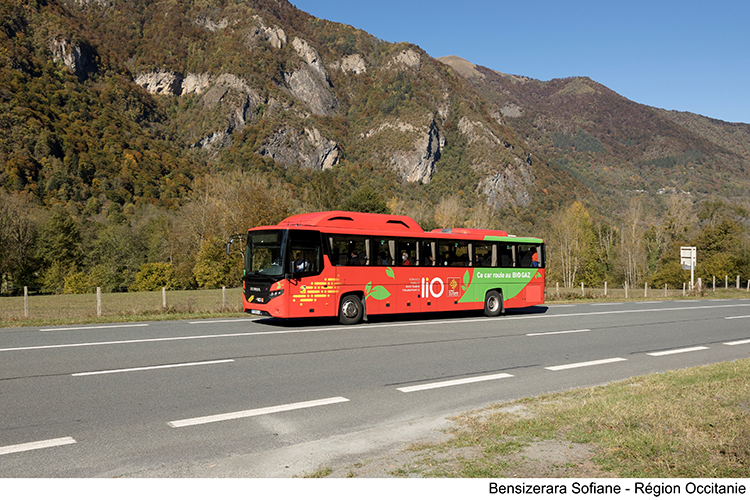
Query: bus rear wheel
{"type": "Point", "coordinates": [350, 310]}
{"type": "Point", "coordinates": [493, 303]}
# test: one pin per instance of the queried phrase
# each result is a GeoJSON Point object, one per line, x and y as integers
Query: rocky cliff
{"type": "Point", "coordinates": [260, 85]}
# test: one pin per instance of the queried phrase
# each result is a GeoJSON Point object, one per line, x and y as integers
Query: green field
{"type": "Point", "coordinates": [117, 307]}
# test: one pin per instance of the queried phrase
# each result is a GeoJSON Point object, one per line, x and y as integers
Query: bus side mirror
{"type": "Point", "coordinates": [229, 245]}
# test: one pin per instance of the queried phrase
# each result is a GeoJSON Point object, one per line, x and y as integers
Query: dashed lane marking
{"type": "Point", "coordinates": [449, 383]}
{"type": "Point", "coordinates": [36, 445]}
{"type": "Point", "coordinates": [156, 367]}
{"type": "Point", "coordinates": [677, 351]}
{"type": "Point", "coordinates": [256, 412]}
{"type": "Point", "coordinates": [584, 364]}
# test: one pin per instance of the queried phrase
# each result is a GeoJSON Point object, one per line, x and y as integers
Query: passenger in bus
{"type": "Point", "coordinates": [535, 260]}
{"type": "Point", "coordinates": [405, 261]}
{"type": "Point", "coordinates": [353, 258]}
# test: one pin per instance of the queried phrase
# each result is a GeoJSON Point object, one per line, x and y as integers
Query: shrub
{"type": "Point", "coordinates": [213, 268]}
{"type": "Point", "coordinates": [154, 276]}
{"type": "Point", "coordinates": [77, 283]}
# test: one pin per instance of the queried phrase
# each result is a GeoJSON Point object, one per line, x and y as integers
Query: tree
{"type": "Point", "coordinates": [59, 248]}
{"type": "Point", "coordinates": [119, 251]}
{"type": "Point", "coordinates": [18, 233]}
{"type": "Point", "coordinates": [450, 212]}
{"type": "Point", "coordinates": [632, 251]}
{"type": "Point", "coordinates": [213, 268]}
{"type": "Point", "coordinates": [571, 241]}
{"type": "Point", "coordinates": [365, 199]}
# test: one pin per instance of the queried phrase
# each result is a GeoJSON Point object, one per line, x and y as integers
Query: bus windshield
{"type": "Point", "coordinates": [265, 251]}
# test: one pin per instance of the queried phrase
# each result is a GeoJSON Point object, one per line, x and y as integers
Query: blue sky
{"type": "Point", "coordinates": [684, 55]}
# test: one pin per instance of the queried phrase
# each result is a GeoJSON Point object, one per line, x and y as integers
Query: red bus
{"type": "Point", "coordinates": [354, 265]}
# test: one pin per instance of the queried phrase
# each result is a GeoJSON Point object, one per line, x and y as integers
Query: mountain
{"type": "Point", "coordinates": [614, 145]}
{"type": "Point", "coordinates": [125, 101]}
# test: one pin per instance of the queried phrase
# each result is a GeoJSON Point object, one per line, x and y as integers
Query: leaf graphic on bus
{"type": "Point", "coordinates": [467, 277]}
{"type": "Point", "coordinates": [379, 292]}
{"type": "Point", "coordinates": [389, 272]}
{"type": "Point", "coordinates": [368, 287]}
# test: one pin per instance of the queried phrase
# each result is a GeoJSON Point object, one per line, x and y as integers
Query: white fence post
{"type": "Point", "coordinates": [223, 298]}
{"type": "Point", "coordinates": [714, 283]}
{"type": "Point", "coordinates": [738, 282]}
{"type": "Point", "coordinates": [605, 288]}
{"type": "Point", "coordinates": [645, 290]}
{"type": "Point", "coordinates": [665, 290]}
{"type": "Point", "coordinates": [163, 297]}
{"type": "Point", "coordinates": [726, 282]}
{"type": "Point", "coordinates": [626, 289]}
{"type": "Point", "coordinates": [25, 301]}
{"type": "Point", "coordinates": [683, 289]}
{"type": "Point", "coordinates": [98, 301]}
{"type": "Point", "coordinates": [557, 287]}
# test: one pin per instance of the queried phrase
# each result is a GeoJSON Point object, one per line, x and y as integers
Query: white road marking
{"type": "Point", "coordinates": [135, 341]}
{"type": "Point", "coordinates": [677, 351]}
{"type": "Point", "coordinates": [100, 327]}
{"type": "Point", "coordinates": [738, 342]}
{"type": "Point", "coordinates": [737, 317]}
{"type": "Point", "coordinates": [449, 383]}
{"type": "Point", "coordinates": [584, 364]}
{"type": "Point", "coordinates": [556, 333]}
{"type": "Point", "coordinates": [609, 304]}
{"type": "Point", "coordinates": [254, 413]}
{"type": "Point", "coordinates": [208, 321]}
{"type": "Point", "coordinates": [36, 445]}
{"type": "Point", "coordinates": [156, 367]}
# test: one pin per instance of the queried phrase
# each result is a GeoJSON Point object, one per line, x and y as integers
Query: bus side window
{"type": "Point", "coordinates": [483, 254]}
{"type": "Point", "coordinates": [384, 250]}
{"type": "Point", "coordinates": [349, 250]}
{"type": "Point", "coordinates": [428, 249]}
{"type": "Point", "coordinates": [529, 255]}
{"type": "Point", "coordinates": [506, 255]}
{"type": "Point", "coordinates": [407, 252]}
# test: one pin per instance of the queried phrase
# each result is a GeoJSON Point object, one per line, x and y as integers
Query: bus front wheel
{"type": "Point", "coordinates": [493, 303]}
{"type": "Point", "coordinates": [350, 310]}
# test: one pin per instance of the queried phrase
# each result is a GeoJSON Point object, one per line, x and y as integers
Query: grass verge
{"type": "Point", "coordinates": [686, 423]}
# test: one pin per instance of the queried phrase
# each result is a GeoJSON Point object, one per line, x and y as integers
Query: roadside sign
{"type": "Point", "coordinates": [688, 257]}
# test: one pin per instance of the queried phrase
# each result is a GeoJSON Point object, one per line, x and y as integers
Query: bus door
{"type": "Point", "coordinates": [408, 275]}
{"type": "Point", "coordinates": [350, 256]}
{"type": "Point", "coordinates": [381, 296]}
{"type": "Point", "coordinates": [311, 290]}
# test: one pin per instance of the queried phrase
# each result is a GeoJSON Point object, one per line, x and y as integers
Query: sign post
{"type": "Point", "coordinates": [688, 257]}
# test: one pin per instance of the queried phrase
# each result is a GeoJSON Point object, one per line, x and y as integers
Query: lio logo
{"type": "Point", "coordinates": [434, 288]}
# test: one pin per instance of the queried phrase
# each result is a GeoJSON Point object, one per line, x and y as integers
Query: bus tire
{"type": "Point", "coordinates": [350, 310]}
{"type": "Point", "coordinates": [493, 303]}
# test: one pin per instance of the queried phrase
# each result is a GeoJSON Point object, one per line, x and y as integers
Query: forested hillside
{"type": "Point", "coordinates": [138, 136]}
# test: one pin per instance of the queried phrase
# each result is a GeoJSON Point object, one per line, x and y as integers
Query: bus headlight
{"type": "Point", "coordinates": [275, 294]}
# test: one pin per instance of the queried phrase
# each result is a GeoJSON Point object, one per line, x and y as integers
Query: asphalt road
{"type": "Point", "coordinates": [172, 398]}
